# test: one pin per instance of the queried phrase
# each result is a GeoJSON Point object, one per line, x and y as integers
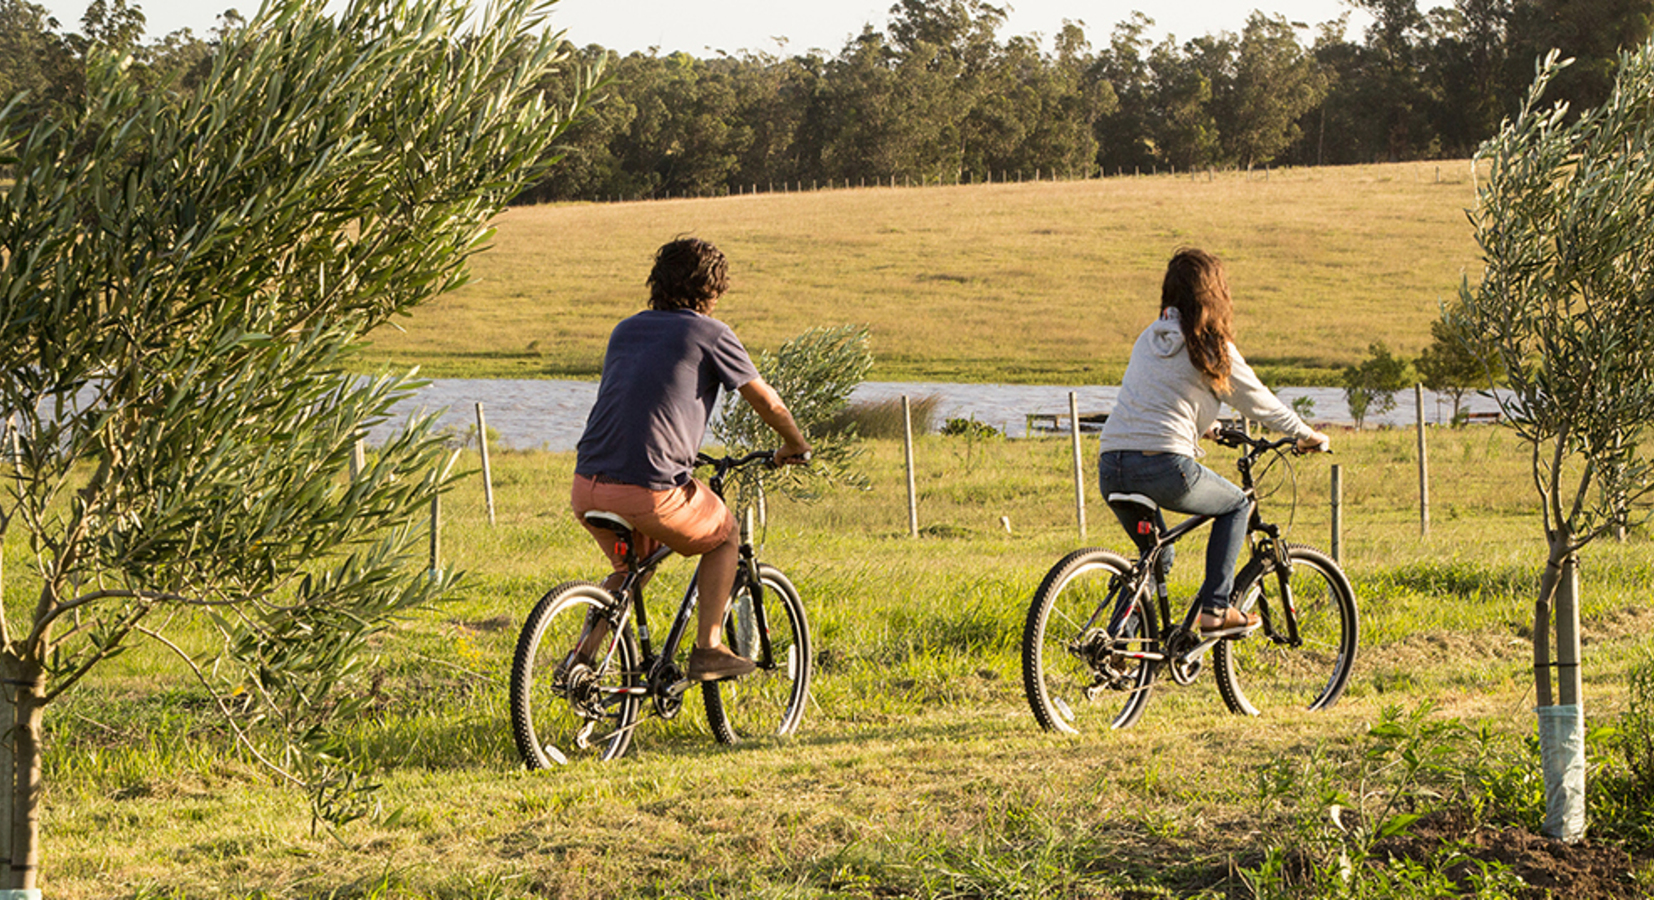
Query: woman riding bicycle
{"type": "Point", "coordinates": [661, 375]}
{"type": "Point", "coordinates": [1182, 367]}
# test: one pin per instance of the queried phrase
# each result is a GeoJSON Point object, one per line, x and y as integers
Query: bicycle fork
{"type": "Point", "coordinates": [1273, 550]}
{"type": "Point", "coordinates": [747, 606]}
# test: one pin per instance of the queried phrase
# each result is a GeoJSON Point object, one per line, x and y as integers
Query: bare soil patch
{"type": "Point", "coordinates": [1588, 870]}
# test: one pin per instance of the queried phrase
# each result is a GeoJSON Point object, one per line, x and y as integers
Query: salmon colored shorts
{"type": "Point", "coordinates": [690, 519]}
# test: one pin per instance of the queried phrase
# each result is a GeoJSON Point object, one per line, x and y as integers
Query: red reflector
{"type": "Point", "coordinates": [1145, 527]}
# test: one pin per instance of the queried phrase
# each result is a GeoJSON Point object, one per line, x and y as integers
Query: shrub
{"type": "Point", "coordinates": [970, 427]}
{"type": "Point", "coordinates": [883, 418]}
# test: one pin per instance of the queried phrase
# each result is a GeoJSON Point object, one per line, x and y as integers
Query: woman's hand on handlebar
{"type": "Point", "coordinates": [1316, 443]}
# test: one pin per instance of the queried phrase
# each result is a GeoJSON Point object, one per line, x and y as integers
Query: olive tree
{"type": "Point", "coordinates": [1565, 305]}
{"type": "Point", "coordinates": [183, 277]}
{"type": "Point", "coordinates": [814, 373]}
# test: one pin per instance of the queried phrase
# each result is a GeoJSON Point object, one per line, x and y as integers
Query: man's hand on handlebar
{"type": "Point", "coordinates": [792, 454]}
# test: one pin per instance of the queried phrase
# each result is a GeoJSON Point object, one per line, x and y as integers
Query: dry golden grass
{"type": "Point", "coordinates": [1036, 283]}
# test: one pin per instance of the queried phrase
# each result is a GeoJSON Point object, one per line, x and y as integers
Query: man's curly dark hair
{"type": "Point", "coordinates": [689, 273]}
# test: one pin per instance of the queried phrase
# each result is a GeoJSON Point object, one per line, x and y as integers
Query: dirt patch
{"type": "Point", "coordinates": [1588, 870]}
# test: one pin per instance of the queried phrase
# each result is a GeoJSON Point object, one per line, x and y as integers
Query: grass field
{"type": "Point", "coordinates": [919, 771]}
{"type": "Point", "coordinates": [1026, 283]}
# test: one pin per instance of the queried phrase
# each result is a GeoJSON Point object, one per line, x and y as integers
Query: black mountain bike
{"type": "Point", "coordinates": [1100, 630]}
{"type": "Point", "coordinates": [562, 708]}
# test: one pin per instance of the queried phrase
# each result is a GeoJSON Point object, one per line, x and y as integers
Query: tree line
{"type": "Point", "coordinates": [939, 96]}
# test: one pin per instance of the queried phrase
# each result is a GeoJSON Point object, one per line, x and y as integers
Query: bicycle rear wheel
{"type": "Point", "coordinates": [1265, 671]}
{"type": "Point", "coordinates": [771, 700]}
{"type": "Point", "coordinates": [1076, 676]}
{"type": "Point", "coordinates": [560, 713]}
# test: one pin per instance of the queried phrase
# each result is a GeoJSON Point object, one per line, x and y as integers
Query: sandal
{"type": "Point", "coordinates": [1230, 622]}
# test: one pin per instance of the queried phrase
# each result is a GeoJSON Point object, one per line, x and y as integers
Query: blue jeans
{"type": "Point", "coordinates": [1180, 484]}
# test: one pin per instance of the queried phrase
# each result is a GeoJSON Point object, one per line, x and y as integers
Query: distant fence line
{"type": "Point", "coordinates": [959, 179]}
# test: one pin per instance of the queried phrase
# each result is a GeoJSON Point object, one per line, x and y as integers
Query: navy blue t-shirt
{"type": "Point", "coordinates": [661, 375]}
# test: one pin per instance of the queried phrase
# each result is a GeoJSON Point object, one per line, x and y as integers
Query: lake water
{"type": "Point", "coordinates": [550, 414]}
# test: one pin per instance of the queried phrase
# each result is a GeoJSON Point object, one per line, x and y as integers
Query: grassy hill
{"type": "Point", "coordinates": [1043, 283]}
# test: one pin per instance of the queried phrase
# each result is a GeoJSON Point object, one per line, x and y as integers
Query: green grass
{"type": "Point", "coordinates": [1019, 283]}
{"type": "Point", "coordinates": [919, 770]}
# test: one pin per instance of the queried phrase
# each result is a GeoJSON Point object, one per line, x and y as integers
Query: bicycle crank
{"type": "Point", "coordinates": [668, 686]}
{"type": "Point", "coordinates": [1186, 653]}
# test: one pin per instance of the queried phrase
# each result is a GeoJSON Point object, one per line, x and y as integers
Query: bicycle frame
{"type": "Point", "coordinates": [1148, 572]}
{"type": "Point", "coordinates": [660, 680]}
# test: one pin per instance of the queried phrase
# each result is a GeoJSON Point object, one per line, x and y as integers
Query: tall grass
{"type": "Point", "coordinates": [886, 419]}
{"type": "Point", "coordinates": [918, 771]}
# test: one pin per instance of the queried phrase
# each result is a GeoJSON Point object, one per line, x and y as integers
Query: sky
{"type": "Point", "coordinates": [705, 27]}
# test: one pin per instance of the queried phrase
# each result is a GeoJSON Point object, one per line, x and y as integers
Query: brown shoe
{"type": "Point", "coordinates": [1231, 622]}
{"type": "Point", "coordinates": [716, 664]}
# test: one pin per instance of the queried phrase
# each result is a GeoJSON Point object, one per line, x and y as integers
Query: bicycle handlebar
{"type": "Point", "coordinates": [723, 465]}
{"type": "Point", "coordinates": [731, 463]}
{"type": "Point", "coordinates": [1234, 437]}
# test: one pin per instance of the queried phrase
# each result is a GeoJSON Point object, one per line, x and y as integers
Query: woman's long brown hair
{"type": "Point", "coordinates": [1196, 287]}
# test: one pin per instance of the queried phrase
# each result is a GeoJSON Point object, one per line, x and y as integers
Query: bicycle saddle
{"type": "Point", "coordinates": [1139, 515]}
{"type": "Point", "coordinates": [609, 520]}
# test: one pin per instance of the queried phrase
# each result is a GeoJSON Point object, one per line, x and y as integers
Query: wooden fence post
{"type": "Point", "coordinates": [436, 516]}
{"type": "Point", "coordinates": [487, 473]}
{"type": "Point", "coordinates": [1337, 512]}
{"type": "Point", "coordinates": [1079, 476]}
{"type": "Point", "coordinates": [358, 458]}
{"type": "Point", "coordinates": [1424, 466]}
{"type": "Point", "coordinates": [912, 488]}
{"type": "Point", "coordinates": [436, 532]}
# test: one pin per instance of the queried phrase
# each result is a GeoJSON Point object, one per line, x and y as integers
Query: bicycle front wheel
{"type": "Point", "coordinates": [1077, 676]}
{"type": "Point", "coordinates": [562, 708]}
{"type": "Point", "coordinates": [1301, 657]}
{"type": "Point", "coordinates": [771, 700]}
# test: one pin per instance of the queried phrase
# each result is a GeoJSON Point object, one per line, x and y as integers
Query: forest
{"type": "Point", "coordinates": [939, 95]}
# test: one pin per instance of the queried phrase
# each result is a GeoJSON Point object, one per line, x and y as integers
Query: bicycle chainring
{"type": "Point", "coordinates": [1180, 643]}
{"type": "Point", "coordinates": [668, 702]}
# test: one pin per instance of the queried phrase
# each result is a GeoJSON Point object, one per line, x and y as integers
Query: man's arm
{"type": "Point", "coordinates": [767, 404]}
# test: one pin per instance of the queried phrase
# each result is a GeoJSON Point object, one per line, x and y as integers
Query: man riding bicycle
{"type": "Point", "coordinates": [661, 375]}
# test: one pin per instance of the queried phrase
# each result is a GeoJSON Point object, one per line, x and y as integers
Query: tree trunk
{"type": "Point", "coordinates": [1542, 635]}
{"type": "Point", "coordinates": [21, 710]}
{"type": "Point", "coordinates": [1561, 726]}
{"type": "Point", "coordinates": [8, 770]}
